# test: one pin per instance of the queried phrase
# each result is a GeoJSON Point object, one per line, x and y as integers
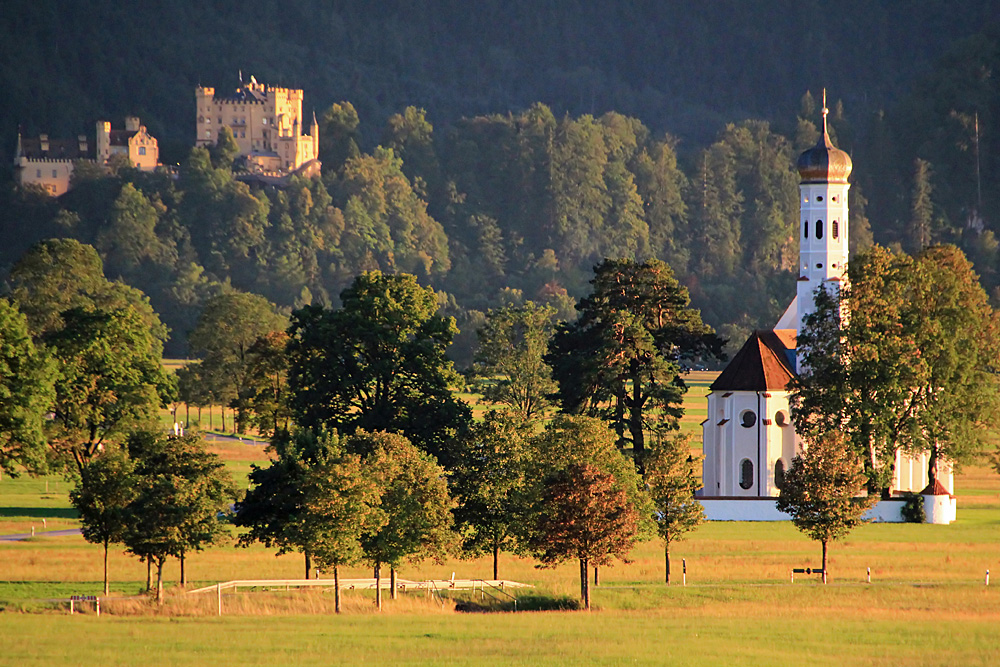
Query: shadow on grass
{"type": "Point", "coordinates": [39, 512]}
{"type": "Point", "coordinates": [526, 601]}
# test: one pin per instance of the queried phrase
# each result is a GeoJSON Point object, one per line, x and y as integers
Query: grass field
{"type": "Point", "coordinates": [927, 604]}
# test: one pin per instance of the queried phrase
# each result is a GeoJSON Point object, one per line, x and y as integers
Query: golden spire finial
{"type": "Point", "coordinates": [825, 112]}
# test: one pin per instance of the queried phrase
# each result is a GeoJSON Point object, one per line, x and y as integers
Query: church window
{"type": "Point", "coordinates": [819, 229]}
{"type": "Point", "coordinates": [781, 418]}
{"type": "Point", "coordinates": [746, 474]}
{"type": "Point", "coordinates": [835, 229]}
{"type": "Point", "coordinates": [779, 473]}
{"type": "Point", "coordinates": [834, 197]}
{"type": "Point", "coordinates": [805, 229]}
{"type": "Point", "coordinates": [747, 419]}
{"type": "Point", "coordinates": [819, 198]}
{"type": "Point", "coordinates": [819, 266]}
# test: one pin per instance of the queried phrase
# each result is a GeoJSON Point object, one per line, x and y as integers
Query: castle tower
{"type": "Point", "coordinates": [823, 232]}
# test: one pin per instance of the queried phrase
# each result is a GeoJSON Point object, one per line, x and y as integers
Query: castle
{"type": "Point", "coordinates": [266, 122]}
{"type": "Point", "coordinates": [49, 163]}
{"type": "Point", "coordinates": [749, 439]}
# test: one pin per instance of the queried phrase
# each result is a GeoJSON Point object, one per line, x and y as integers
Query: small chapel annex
{"type": "Point", "coordinates": [749, 440]}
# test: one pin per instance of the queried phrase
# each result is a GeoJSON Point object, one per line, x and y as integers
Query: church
{"type": "Point", "coordinates": [749, 439]}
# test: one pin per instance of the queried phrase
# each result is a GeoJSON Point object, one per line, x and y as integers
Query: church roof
{"type": "Point", "coordinates": [762, 364]}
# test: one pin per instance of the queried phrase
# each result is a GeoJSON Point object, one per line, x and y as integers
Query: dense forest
{"type": "Point", "coordinates": [499, 156]}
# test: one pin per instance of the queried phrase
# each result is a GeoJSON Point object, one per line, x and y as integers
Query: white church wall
{"type": "Point", "coordinates": [765, 509]}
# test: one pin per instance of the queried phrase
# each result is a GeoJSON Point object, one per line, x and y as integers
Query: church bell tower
{"type": "Point", "coordinates": [823, 231]}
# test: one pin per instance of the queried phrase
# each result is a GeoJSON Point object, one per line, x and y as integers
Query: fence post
{"type": "Point", "coordinates": [987, 577]}
{"type": "Point", "coordinates": [97, 603]}
{"type": "Point", "coordinates": [218, 593]}
{"type": "Point", "coordinates": [869, 575]}
{"type": "Point", "coordinates": [792, 573]}
{"type": "Point", "coordinates": [684, 572]}
{"type": "Point", "coordinates": [71, 610]}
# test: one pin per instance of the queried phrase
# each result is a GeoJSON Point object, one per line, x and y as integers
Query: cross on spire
{"type": "Point", "coordinates": [825, 112]}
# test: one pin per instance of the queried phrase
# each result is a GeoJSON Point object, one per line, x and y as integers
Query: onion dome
{"type": "Point", "coordinates": [824, 163]}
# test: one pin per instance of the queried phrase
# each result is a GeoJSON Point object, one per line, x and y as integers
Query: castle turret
{"type": "Point", "coordinates": [823, 250]}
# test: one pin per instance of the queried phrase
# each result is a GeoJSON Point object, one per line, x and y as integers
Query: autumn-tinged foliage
{"type": "Point", "coordinates": [823, 491]}
{"type": "Point", "coordinates": [583, 515]}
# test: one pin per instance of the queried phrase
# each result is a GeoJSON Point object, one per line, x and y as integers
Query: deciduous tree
{"type": "Point", "coordinates": [377, 364]}
{"type": "Point", "coordinates": [490, 485]}
{"type": "Point", "coordinates": [26, 394]}
{"type": "Point", "coordinates": [412, 503]}
{"type": "Point", "coordinates": [102, 496]}
{"type": "Point", "coordinates": [823, 491]}
{"type": "Point", "coordinates": [673, 475]}
{"type": "Point", "coordinates": [510, 363]}
{"type": "Point", "coordinates": [584, 514]}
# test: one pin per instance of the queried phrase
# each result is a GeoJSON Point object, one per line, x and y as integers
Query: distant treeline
{"type": "Point", "coordinates": [499, 208]}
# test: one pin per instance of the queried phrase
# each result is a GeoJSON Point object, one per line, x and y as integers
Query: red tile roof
{"type": "Point", "coordinates": [762, 364]}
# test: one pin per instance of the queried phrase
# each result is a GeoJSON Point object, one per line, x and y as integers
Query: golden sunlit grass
{"type": "Point", "coordinates": [927, 604]}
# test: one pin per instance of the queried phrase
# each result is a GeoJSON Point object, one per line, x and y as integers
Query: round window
{"type": "Point", "coordinates": [747, 418]}
{"type": "Point", "coordinates": [746, 474]}
{"type": "Point", "coordinates": [781, 418]}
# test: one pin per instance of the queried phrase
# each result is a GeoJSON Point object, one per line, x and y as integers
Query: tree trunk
{"type": "Point", "coordinates": [496, 561]}
{"type": "Point", "coordinates": [392, 583]}
{"type": "Point", "coordinates": [932, 466]}
{"type": "Point", "coordinates": [223, 419]}
{"type": "Point", "coordinates": [183, 571]}
{"type": "Point", "coordinates": [378, 588]}
{"type": "Point", "coordinates": [106, 591]}
{"type": "Point", "coordinates": [635, 426]}
{"type": "Point", "coordinates": [824, 561]}
{"type": "Point", "coordinates": [187, 415]}
{"type": "Point", "coordinates": [336, 589]}
{"type": "Point", "coordinates": [597, 575]}
{"type": "Point", "coordinates": [211, 418]}
{"type": "Point", "coordinates": [666, 558]}
{"type": "Point", "coordinates": [308, 564]}
{"type": "Point", "coordinates": [159, 580]}
{"type": "Point", "coordinates": [586, 583]}
{"type": "Point", "coordinates": [149, 573]}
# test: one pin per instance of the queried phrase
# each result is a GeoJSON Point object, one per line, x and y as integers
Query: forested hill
{"type": "Point", "coordinates": [500, 154]}
{"type": "Point", "coordinates": [684, 66]}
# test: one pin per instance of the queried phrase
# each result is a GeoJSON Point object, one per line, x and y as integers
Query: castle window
{"type": "Point", "coordinates": [38, 173]}
{"type": "Point", "coordinates": [746, 474]}
{"type": "Point", "coordinates": [819, 229]}
{"type": "Point", "coordinates": [781, 418]}
{"type": "Point", "coordinates": [748, 418]}
{"type": "Point", "coordinates": [835, 229]}
{"type": "Point", "coordinates": [142, 150]}
{"type": "Point", "coordinates": [779, 473]}
{"type": "Point", "coordinates": [55, 173]}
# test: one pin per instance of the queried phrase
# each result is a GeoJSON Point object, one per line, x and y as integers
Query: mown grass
{"type": "Point", "coordinates": [927, 604]}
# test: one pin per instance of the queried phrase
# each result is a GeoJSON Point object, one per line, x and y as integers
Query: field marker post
{"type": "Point", "coordinates": [32, 530]}
{"type": "Point", "coordinates": [793, 575]}
{"type": "Point", "coordinates": [71, 601]}
{"type": "Point", "coordinates": [869, 575]}
{"type": "Point", "coordinates": [97, 603]}
{"type": "Point", "coordinates": [684, 572]}
{"type": "Point", "coordinates": [987, 577]}
{"type": "Point", "coordinates": [218, 593]}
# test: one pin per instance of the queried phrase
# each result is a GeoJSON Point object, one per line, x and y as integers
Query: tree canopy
{"type": "Point", "coordinates": [377, 363]}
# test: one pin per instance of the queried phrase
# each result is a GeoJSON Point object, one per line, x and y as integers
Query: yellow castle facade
{"type": "Point", "coordinates": [267, 124]}
{"type": "Point", "coordinates": [49, 163]}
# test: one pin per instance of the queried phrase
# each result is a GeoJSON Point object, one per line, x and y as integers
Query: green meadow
{"type": "Point", "coordinates": [927, 603]}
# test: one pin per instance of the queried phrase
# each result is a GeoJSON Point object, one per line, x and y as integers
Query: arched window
{"type": "Point", "coordinates": [748, 419]}
{"type": "Point", "coordinates": [779, 473]}
{"type": "Point", "coordinates": [805, 229]}
{"type": "Point", "coordinates": [835, 229]}
{"type": "Point", "coordinates": [746, 474]}
{"type": "Point", "coordinates": [819, 229]}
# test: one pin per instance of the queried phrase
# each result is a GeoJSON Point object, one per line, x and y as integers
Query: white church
{"type": "Point", "coordinates": [749, 440]}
